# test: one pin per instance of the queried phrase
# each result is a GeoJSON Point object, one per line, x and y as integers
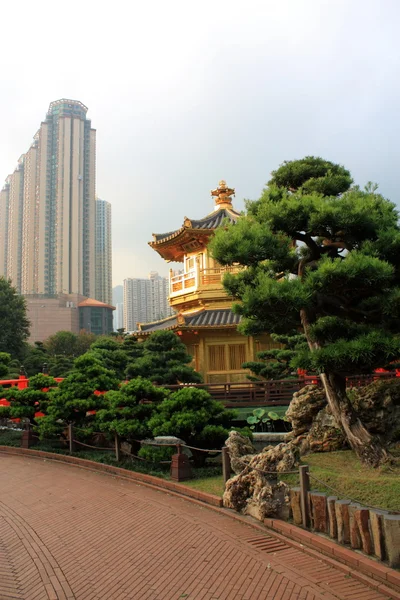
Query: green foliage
{"type": "Point", "coordinates": [14, 325]}
{"type": "Point", "coordinates": [5, 360]}
{"type": "Point", "coordinates": [75, 396]}
{"type": "Point", "coordinates": [60, 366]}
{"type": "Point", "coordinates": [34, 358]}
{"type": "Point", "coordinates": [193, 416]}
{"type": "Point", "coordinates": [163, 359]}
{"type": "Point", "coordinates": [312, 174]}
{"type": "Point", "coordinates": [277, 362]}
{"type": "Point", "coordinates": [66, 343]}
{"type": "Point", "coordinates": [127, 410]}
{"type": "Point", "coordinates": [338, 264]}
{"type": "Point", "coordinates": [26, 402]}
{"type": "Point", "coordinates": [157, 454]}
{"type": "Point", "coordinates": [112, 354]}
{"type": "Point", "coordinates": [132, 348]}
{"type": "Point", "coordinates": [262, 419]}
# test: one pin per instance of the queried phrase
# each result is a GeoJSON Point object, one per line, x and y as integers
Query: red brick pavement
{"type": "Point", "coordinates": [70, 533]}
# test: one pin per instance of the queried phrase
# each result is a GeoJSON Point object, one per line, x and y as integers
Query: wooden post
{"type": "Point", "coordinates": [226, 464]}
{"type": "Point", "coordinates": [304, 489]}
{"type": "Point", "coordinates": [117, 448]}
{"type": "Point", "coordinates": [71, 438]}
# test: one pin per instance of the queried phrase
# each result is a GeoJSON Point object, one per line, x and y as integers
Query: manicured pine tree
{"type": "Point", "coordinates": [25, 403]}
{"type": "Point", "coordinates": [323, 256]}
{"type": "Point", "coordinates": [163, 359]}
{"type": "Point", "coordinates": [277, 362]}
{"type": "Point", "coordinates": [79, 396]}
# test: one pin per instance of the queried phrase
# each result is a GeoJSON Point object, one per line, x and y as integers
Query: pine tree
{"type": "Point", "coordinates": [277, 363]}
{"type": "Point", "coordinates": [321, 255]}
{"type": "Point", "coordinates": [163, 359]}
{"type": "Point", "coordinates": [79, 396]}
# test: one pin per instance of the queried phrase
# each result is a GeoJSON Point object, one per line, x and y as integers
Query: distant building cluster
{"type": "Point", "coordinates": [55, 238]}
{"type": "Point", "coordinates": [145, 300]}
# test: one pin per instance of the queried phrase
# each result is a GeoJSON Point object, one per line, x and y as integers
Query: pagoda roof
{"type": "Point", "coordinates": [195, 233]}
{"type": "Point", "coordinates": [205, 318]}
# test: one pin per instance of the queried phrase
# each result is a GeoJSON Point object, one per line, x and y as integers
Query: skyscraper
{"type": "Point", "coordinates": [145, 300]}
{"type": "Point", "coordinates": [50, 246]}
{"type": "Point", "coordinates": [4, 205]}
{"type": "Point", "coordinates": [103, 252]}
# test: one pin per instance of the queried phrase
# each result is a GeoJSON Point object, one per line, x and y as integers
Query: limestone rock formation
{"type": "Point", "coordinates": [256, 489]}
{"type": "Point", "coordinates": [241, 451]}
{"type": "Point", "coordinates": [324, 434]}
{"type": "Point", "coordinates": [378, 405]}
{"type": "Point", "coordinates": [314, 428]}
{"type": "Point", "coordinates": [305, 405]}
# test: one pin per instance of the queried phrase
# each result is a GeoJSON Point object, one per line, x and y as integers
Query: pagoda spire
{"type": "Point", "coordinates": [223, 195]}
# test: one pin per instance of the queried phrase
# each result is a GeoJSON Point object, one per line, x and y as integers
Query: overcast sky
{"type": "Point", "coordinates": [183, 94]}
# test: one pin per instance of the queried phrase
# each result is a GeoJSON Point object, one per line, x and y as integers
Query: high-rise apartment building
{"type": "Point", "coordinates": [103, 252]}
{"type": "Point", "coordinates": [119, 316]}
{"type": "Point", "coordinates": [4, 205]}
{"type": "Point", "coordinates": [48, 208]}
{"type": "Point", "coordinates": [145, 300]}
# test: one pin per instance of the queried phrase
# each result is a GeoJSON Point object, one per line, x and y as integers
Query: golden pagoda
{"type": "Point", "coordinates": [204, 319]}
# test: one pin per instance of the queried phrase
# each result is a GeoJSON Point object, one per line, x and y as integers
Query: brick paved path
{"type": "Point", "coordinates": [70, 533]}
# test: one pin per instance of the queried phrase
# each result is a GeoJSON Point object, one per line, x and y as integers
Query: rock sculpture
{"type": "Point", "coordinates": [255, 490]}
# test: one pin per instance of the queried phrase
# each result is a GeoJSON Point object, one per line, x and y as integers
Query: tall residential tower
{"type": "Point", "coordinates": [48, 208]}
{"type": "Point", "coordinates": [103, 252]}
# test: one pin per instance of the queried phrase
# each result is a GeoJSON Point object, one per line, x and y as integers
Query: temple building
{"type": "Point", "coordinates": [204, 319]}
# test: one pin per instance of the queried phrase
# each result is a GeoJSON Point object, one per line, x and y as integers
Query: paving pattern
{"type": "Point", "coordinates": [69, 533]}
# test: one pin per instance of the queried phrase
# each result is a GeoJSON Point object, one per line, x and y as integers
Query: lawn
{"type": "Point", "coordinates": [344, 472]}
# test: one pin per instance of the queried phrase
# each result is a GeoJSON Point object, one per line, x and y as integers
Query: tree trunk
{"type": "Point", "coordinates": [368, 448]}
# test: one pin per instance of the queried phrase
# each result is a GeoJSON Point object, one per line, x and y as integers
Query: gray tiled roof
{"type": "Point", "coordinates": [159, 325]}
{"type": "Point", "coordinates": [211, 221]}
{"type": "Point", "coordinates": [205, 318]}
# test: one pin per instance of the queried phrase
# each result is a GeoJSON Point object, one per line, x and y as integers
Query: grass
{"type": "Point", "coordinates": [352, 480]}
{"type": "Point", "coordinates": [211, 485]}
{"type": "Point", "coordinates": [339, 470]}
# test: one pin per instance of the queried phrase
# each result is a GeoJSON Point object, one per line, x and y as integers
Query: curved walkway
{"type": "Point", "coordinates": [70, 533]}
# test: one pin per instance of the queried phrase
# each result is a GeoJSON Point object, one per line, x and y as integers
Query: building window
{"type": "Point", "coordinates": [216, 358]}
{"type": "Point", "coordinates": [226, 357]}
{"type": "Point", "coordinates": [237, 356]}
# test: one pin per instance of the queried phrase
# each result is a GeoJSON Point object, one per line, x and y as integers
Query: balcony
{"type": "Point", "coordinates": [197, 280]}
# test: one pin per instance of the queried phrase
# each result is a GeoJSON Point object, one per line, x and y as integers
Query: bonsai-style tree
{"type": "Point", "coordinates": [60, 366]}
{"type": "Point", "coordinates": [164, 360]}
{"type": "Point", "coordinates": [193, 416]}
{"type": "Point", "coordinates": [112, 355]}
{"type": "Point", "coordinates": [78, 396]}
{"type": "Point", "coordinates": [132, 347]}
{"type": "Point", "coordinates": [28, 401]}
{"type": "Point", "coordinates": [128, 410]}
{"type": "Point", "coordinates": [321, 255]}
{"type": "Point", "coordinates": [277, 362]}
